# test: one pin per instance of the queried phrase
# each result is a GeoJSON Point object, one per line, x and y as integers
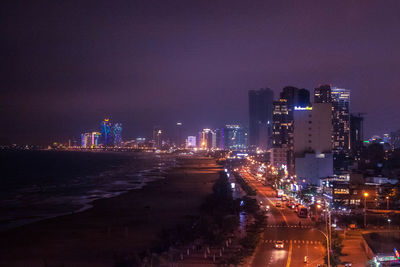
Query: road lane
{"type": "Point", "coordinates": [283, 224]}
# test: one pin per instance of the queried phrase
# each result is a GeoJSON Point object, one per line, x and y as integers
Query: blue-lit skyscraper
{"type": "Point", "coordinates": [105, 130]}
{"type": "Point", "coordinates": [116, 134]}
{"type": "Point", "coordinates": [234, 137]}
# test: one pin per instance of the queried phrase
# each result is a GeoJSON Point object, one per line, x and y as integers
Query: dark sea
{"type": "Point", "coordinates": [35, 185]}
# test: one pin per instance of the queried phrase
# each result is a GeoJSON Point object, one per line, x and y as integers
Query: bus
{"type": "Point", "coordinates": [279, 193]}
{"type": "Point", "coordinates": [303, 212]}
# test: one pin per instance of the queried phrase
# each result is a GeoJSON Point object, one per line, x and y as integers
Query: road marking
{"type": "Point", "coordinates": [289, 255]}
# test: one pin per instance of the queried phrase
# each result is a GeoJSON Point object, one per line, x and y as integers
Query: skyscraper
{"type": "Point", "coordinates": [322, 94]}
{"type": "Point", "coordinates": [341, 119]}
{"type": "Point", "coordinates": [116, 134]}
{"type": "Point", "coordinates": [340, 99]}
{"type": "Point", "coordinates": [234, 137]}
{"type": "Point", "coordinates": [356, 135]}
{"type": "Point", "coordinates": [191, 142]}
{"type": "Point", "coordinates": [207, 139]}
{"type": "Point", "coordinates": [282, 133]}
{"type": "Point", "coordinates": [313, 142]}
{"type": "Point", "coordinates": [157, 137]}
{"type": "Point", "coordinates": [105, 130]}
{"type": "Point", "coordinates": [260, 117]}
{"type": "Point", "coordinates": [178, 134]}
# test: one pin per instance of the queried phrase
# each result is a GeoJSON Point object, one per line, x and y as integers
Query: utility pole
{"type": "Point", "coordinates": [365, 209]}
{"type": "Point", "coordinates": [328, 239]}
{"type": "Point", "coordinates": [387, 202]}
{"type": "Point", "coordinates": [330, 230]}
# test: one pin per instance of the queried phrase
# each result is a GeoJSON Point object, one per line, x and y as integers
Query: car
{"type": "Point", "coordinates": [279, 244]}
{"type": "Point", "coordinates": [278, 204]}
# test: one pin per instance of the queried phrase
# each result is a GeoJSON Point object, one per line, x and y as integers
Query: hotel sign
{"type": "Point", "coordinates": [302, 108]}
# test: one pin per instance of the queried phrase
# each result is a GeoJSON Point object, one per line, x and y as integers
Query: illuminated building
{"type": "Point", "coordinates": [234, 137]}
{"type": "Point", "coordinates": [312, 140]}
{"type": "Point", "coordinates": [191, 142]}
{"type": "Point", "coordinates": [95, 137]}
{"type": "Point", "coordinates": [260, 118]}
{"type": "Point", "coordinates": [178, 134]}
{"type": "Point", "coordinates": [340, 99]}
{"type": "Point", "coordinates": [341, 119]}
{"type": "Point", "coordinates": [207, 139]}
{"type": "Point", "coordinates": [291, 98]}
{"type": "Point", "coordinates": [105, 129]}
{"type": "Point", "coordinates": [395, 139]}
{"type": "Point", "coordinates": [157, 137]}
{"type": "Point", "coordinates": [322, 94]}
{"type": "Point", "coordinates": [86, 140]}
{"type": "Point", "coordinates": [116, 134]}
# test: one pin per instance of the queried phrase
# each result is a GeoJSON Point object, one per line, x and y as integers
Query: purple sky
{"type": "Point", "coordinates": [67, 64]}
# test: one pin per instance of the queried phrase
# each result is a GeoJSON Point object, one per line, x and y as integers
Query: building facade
{"type": "Point", "coordinates": [313, 142]}
{"type": "Point", "coordinates": [260, 118]}
{"type": "Point", "coordinates": [234, 137]}
{"type": "Point", "coordinates": [282, 132]}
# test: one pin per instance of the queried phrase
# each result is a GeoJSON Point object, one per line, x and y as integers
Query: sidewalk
{"type": "Point", "coordinates": [352, 249]}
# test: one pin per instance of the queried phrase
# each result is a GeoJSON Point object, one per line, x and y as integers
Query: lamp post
{"type": "Point", "coordinates": [327, 246]}
{"type": "Point", "coordinates": [387, 202]}
{"type": "Point", "coordinates": [365, 209]}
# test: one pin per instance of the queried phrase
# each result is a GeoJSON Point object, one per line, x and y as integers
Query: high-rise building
{"type": "Point", "coordinates": [340, 99]}
{"type": "Point", "coordinates": [219, 138]}
{"type": "Point", "coordinates": [234, 137]}
{"type": "Point", "coordinates": [322, 94]}
{"type": "Point", "coordinates": [341, 119]}
{"type": "Point", "coordinates": [282, 132]}
{"type": "Point", "coordinates": [86, 140]}
{"type": "Point", "coordinates": [116, 134]}
{"type": "Point", "coordinates": [178, 134]}
{"type": "Point", "coordinates": [208, 139]}
{"type": "Point", "coordinates": [191, 142]}
{"type": "Point", "coordinates": [95, 138]}
{"type": "Point", "coordinates": [105, 129]}
{"type": "Point", "coordinates": [157, 137]}
{"type": "Point", "coordinates": [303, 98]}
{"type": "Point", "coordinates": [356, 135]}
{"type": "Point", "coordinates": [260, 118]}
{"type": "Point", "coordinates": [395, 139]}
{"type": "Point", "coordinates": [312, 138]}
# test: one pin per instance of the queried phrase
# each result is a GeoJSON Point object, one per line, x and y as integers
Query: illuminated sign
{"type": "Point", "coordinates": [396, 254]}
{"type": "Point", "coordinates": [302, 108]}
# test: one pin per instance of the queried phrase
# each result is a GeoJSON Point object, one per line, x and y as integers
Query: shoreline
{"type": "Point", "coordinates": [66, 197]}
{"type": "Point", "coordinates": [113, 227]}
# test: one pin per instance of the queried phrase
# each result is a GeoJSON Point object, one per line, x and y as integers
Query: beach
{"type": "Point", "coordinates": [117, 227]}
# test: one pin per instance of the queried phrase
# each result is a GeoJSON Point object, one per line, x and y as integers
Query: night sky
{"type": "Point", "coordinates": [65, 65]}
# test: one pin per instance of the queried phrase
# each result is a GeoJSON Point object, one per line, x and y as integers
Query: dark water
{"type": "Point", "coordinates": [40, 184]}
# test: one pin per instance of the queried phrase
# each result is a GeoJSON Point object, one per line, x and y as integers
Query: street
{"type": "Point", "coordinates": [298, 234]}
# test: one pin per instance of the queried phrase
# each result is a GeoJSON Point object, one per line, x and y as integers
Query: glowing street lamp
{"type": "Point", "coordinates": [365, 208]}
{"type": "Point", "coordinates": [387, 202]}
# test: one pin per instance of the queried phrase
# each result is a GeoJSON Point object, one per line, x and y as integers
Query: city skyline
{"type": "Point", "coordinates": [68, 65]}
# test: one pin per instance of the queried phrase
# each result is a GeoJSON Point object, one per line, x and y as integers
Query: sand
{"type": "Point", "coordinates": [120, 226]}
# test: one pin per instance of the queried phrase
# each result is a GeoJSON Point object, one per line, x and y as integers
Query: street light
{"type": "Point", "coordinates": [327, 246]}
{"type": "Point", "coordinates": [387, 202]}
{"type": "Point", "coordinates": [365, 209]}
{"type": "Point", "coordinates": [389, 220]}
